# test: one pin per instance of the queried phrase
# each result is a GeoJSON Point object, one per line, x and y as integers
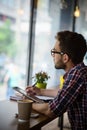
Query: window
{"type": "Point", "coordinates": [49, 15]}
{"type": "Point", "coordinates": [14, 31]}
{"type": "Point", "coordinates": [79, 26]}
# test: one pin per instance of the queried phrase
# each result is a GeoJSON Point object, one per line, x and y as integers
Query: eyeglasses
{"type": "Point", "coordinates": [56, 52]}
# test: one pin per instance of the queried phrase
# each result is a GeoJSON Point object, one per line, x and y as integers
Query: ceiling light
{"type": "Point", "coordinates": [77, 12]}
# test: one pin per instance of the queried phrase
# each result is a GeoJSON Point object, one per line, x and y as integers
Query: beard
{"type": "Point", "coordinates": [60, 65]}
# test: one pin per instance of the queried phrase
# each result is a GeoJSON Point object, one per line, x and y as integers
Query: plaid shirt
{"type": "Point", "coordinates": [73, 98]}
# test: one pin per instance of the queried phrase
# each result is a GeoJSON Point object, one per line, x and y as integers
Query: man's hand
{"type": "Point", "coordinates": [33, 90]}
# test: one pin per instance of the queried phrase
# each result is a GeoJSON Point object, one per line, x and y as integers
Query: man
{"type": "Point", "coordinates": [68, 53]}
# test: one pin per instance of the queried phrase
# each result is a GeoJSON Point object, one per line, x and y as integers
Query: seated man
{"type": "Point", "coordinates": [68, 54]}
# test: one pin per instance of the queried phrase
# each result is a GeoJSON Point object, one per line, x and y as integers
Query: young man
{"type": "Point", "coordinates": [68, 53]}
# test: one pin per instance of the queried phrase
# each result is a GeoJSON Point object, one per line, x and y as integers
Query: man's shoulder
{"type": "Point", "coordinates": [78, 69]}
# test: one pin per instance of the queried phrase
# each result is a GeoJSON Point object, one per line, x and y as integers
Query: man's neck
{"type": "Point", "coordinates": [69, 65]}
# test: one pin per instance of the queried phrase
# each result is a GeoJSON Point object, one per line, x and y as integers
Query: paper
{"type": "Point", "coordinates": [45, 97]}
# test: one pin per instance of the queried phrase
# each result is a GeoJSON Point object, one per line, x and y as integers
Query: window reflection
{"type": "Point", "coordinates": [79, 26]}
{"type": "Point", "coordinates": [14, 29]}
{"type": "Point", "coordinates": [47, 24]}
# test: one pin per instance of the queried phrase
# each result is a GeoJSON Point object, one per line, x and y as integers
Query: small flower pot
{"type": "Point", "coordinates": [41, 85]}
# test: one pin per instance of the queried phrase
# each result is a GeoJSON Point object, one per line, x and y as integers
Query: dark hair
{"type": "Point", "coordinates": [73, 44]}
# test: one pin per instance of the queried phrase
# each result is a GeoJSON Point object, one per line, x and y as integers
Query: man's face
{"type": "Point", "coordinates": [58, 57]}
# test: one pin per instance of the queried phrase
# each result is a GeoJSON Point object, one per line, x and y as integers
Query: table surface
{"type": "Point", "coordinates": [8, 121]}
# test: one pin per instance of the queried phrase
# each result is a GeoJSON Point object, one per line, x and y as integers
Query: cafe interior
{"type": "Point", "coordinates": [27, 35]}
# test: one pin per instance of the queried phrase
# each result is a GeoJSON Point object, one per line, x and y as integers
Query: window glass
{"type": "Point", "coordinates": [48, 23]}
{"type": "Point", "coordinates": [14, 30]}
{"type": "Point", "coordinates": [81, 22]}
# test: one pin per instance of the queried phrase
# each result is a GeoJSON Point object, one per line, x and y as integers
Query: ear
{"type": "Point", "coordinates": [65, 58]}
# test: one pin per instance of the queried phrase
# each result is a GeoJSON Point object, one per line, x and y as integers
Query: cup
{"type": "Point", "coordinates": [24, 110]}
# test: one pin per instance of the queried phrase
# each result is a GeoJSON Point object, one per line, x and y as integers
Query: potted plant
{"type": "Point", "coordinates": [40, 79]}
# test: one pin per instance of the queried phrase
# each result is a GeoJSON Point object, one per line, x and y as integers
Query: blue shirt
{"type": "Point", "coordinates": [73, 98]}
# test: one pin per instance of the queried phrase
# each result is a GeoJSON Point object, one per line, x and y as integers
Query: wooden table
{"type": "Point", "coordinates": [8, 121]}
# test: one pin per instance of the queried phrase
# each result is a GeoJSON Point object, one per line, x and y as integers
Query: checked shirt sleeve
{"type": "Point", "coordinates": [70, 91]}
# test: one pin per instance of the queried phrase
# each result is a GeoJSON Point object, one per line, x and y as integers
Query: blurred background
{"type": "Point", "coordinates": [27, 34]}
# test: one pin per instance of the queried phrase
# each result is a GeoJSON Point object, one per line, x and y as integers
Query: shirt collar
{"type": "Point", "coordinates": [78, 65]}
